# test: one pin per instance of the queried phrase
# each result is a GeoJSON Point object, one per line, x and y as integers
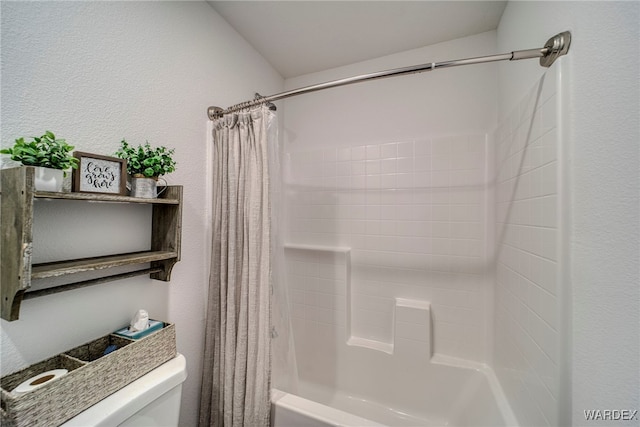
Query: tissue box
{"type": "Point", "coordinates": [154, 325]}
{"type": "Point", "coordinates": [92, 376]}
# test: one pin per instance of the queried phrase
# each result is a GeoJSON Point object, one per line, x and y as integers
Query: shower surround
{"type": "Point", "coordinates": [393, 253]}
{"type": "Point", "coordinates": [388, 272]}
{"type": "Point", "coordinates": [425, 245]}
{"type": "Point", "coordinates": [531, 304]}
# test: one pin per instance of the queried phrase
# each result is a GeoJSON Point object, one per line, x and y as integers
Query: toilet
{"type": "Point", "coordinates": [151, 400]}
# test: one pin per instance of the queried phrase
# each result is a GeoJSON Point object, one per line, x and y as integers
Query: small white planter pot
{"type": "Point", "coordinates": [47, 179]}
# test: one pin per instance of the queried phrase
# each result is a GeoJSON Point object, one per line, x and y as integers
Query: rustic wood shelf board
{"type": "Point", "coordinates": [55, 269]}
{"type": "Point", "coordinates": [90, 282]}
{"type": "Point", "coordinates": [104, 198]}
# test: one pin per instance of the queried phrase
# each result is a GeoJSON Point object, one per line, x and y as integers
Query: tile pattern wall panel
{"type": "Point", "coordinates": [318, 284]}
{"type": "Point", "coordinates": [413, 213]}
{"type": "Point", "coordinates": [526, 296]}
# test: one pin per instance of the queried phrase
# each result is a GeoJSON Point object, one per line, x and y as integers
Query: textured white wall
{"type": "Point", "coordinates": [95, 72]}
{"type": "Point", "coordinates": [601, 168]}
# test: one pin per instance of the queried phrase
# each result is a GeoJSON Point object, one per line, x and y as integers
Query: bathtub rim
{"type": "Point", "coordinates": [317, 411]}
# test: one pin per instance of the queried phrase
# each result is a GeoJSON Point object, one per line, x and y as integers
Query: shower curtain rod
{"type": "Point", "coordinates": [555, 47]}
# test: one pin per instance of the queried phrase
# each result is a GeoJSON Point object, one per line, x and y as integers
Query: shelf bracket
{"type": "Point", "coordinates": [167, 233]}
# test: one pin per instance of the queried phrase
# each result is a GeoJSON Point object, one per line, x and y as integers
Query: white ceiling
{"type": "Point", "coordinates": [300, 37]}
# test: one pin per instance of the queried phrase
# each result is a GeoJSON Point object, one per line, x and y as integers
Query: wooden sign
{"type": "Point", "coordinates": [100, 174]}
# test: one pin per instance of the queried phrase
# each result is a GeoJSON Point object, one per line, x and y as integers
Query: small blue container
{"type": "Point", "coordinates": [154, 325]}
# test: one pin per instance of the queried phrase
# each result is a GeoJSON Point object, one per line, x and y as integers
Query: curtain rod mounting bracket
{"type": "Point", "coordinates": [557, 46]}
{"type": "Point", "coordinates": [214, 112]}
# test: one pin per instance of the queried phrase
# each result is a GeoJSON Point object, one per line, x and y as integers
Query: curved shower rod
{"type": "Point", "coordinates": [555, 47]}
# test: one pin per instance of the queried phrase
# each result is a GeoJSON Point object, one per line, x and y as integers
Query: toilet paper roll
{"type": "Point", "coordinates": [39, 380]}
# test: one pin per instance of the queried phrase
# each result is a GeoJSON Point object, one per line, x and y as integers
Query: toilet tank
{"type": "Point", "coordinates": [151, 400]}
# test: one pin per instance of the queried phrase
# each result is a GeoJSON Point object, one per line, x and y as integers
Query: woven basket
{"type": "Point", "coordinates": [91, 378]}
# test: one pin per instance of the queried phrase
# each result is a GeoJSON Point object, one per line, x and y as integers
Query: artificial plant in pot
{"type": "Point", "coordinates": [145, 164]}
{"type": "Point", "coordinates": [50, 156]}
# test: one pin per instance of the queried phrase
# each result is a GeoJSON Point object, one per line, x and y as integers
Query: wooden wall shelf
{"type": "Point", "coordinates": [17, 271]}
{"type": "Point", "coordinates": [103, 198]}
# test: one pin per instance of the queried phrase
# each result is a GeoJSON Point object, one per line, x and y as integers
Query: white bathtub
{"type": "Point", "coordinates": [359, 376]}
{"type": "Point", "coordinates": [458, 393]}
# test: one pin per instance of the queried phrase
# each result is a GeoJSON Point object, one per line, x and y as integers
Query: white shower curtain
{"type": "Point", "coordinates": [236, 371]}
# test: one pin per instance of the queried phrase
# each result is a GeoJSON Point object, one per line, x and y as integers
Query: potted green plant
{"type": "Point", "coordinates": [145, 164]}
{"type": "Point", "coordinates": [49, 155]}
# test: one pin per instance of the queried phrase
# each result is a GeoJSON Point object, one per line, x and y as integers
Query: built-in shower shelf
{"type": "Point", "coordinates": [411, 324]}
{"type": "Point", "coordinates": [317, 248]}
{"type": "Point", "coordinates": [371, 344]}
